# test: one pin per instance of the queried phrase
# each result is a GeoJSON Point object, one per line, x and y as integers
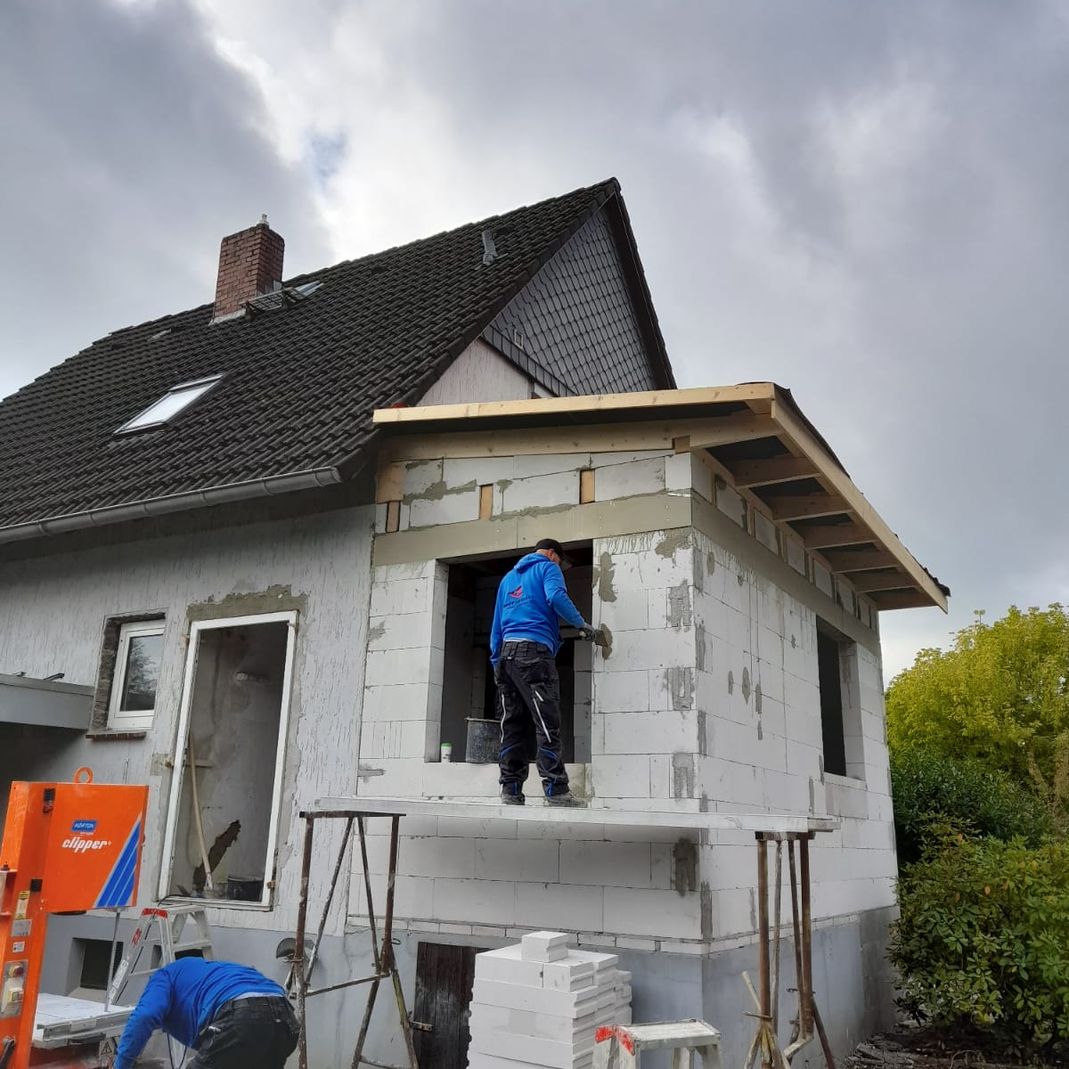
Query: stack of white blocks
{"type": "Point", "coordinates": [536, 1005]}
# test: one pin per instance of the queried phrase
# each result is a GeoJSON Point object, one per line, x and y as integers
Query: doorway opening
{"type": "Point", "coordinates": [468, 689]}
{"type": "Point", "coordinates": [227, 766]}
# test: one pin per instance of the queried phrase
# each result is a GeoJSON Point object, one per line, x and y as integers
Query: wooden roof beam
{"type": "Point", "coordinates": [806, 506]}
{"type": "Point", "coordinates": [848, 561]}
{"type": "Point", "coordinates": [725, 430]}
{"type": "Point", "coordinates": [827, 535]}
{"type": "Point", "coordinates": [750, 473]}
{"type": "Point", "coordinates": [899, 599]}
{"type": "Point", "coordinates": [795, 432]}
{"type": "Point", "coordinates": [870, 582]}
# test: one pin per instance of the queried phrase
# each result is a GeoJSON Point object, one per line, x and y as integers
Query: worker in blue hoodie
{"type": "Point", "coordinates": [531, 602]}
{"type": "Point", "coordinates": [232, 1016]}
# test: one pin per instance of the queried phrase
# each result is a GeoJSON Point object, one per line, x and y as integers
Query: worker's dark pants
{"type": "Point", "coordinates": [250, 1033]}
{"type": "Point", "coordinates": [528, 688]}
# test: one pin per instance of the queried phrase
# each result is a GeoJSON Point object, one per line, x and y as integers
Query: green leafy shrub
{"type": "Point", "coordinates": [930, 789]}
{"type": "Point", "coordinates": [983, 940]}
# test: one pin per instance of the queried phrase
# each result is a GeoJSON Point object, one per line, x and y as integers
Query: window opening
{"type": "Point", "coordinates": [468, 689]}
{"type": "Point", "coordinates": [96, 962]}
{"type": "Point", "coordinates": [228, 760]}
{"type": "Point", "coordinates": [174, 401]}
{"type": "Point", "coordinates": [134, 683]}
{"type": "Point", "coordinates": [840, 704]}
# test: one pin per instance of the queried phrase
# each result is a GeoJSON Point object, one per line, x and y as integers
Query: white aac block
{"type": "Point", "coordinates": [661, 914]}
{"type": "Point", "coordinates": [449, 508]}
{"type": "Point", "coordinates": [520, 860]}
{"type": "Point", "coordinates": [528, 1023]}
{"type": "Point", "coordinates": [630, 480]}
{"type": "Point", "coordinates": [508, 995]}
{"type": "Point", "coordinates": [505, 966]}
{"type": "Point", "coordinates": [554, 1054]}
{"type": "Point", "coordinates": [542, 491]}
{"type": "Point", "coordinates": [544, 946]}
{"type": "Point", "coordinates": [567, 975]}
{"type": "Point", "coordinates": [604, 864]}
{"type": "Point", "coordinates": [621, 692]}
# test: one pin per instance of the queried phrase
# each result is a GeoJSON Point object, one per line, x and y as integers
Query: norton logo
{"type": "Point", "coordinates": [517, 593]}
{"type": "Point", "coordinates": [80, 846]}
{"type": "Point", "coordinates": [84, 827]}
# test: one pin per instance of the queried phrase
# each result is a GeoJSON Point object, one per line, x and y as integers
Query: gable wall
{"type": "Point", "coordinates": [576, 320]}
{"type": "Point", "coordinates": [480, 373]}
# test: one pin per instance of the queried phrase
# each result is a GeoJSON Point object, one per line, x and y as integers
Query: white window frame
{"type": "Point", "coordinates": [178, 762]}
{"type": "Point", "coordinates": [137, 423]}
{"type": "Point", "coordinates": [140, 719]}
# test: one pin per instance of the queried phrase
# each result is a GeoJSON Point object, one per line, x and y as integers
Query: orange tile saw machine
{"type": "Point", "coordinates": [67, 848]}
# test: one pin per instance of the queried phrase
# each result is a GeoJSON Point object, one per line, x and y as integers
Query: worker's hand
{"type": "Point", "coordinates": [587, 633]}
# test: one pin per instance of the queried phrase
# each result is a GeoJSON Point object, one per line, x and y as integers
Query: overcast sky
{"type": "Point", "coordinates": [864, 202]}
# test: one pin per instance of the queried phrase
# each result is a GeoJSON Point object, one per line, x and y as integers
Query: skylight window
{"type": "Point", "coordinates": [174, 401]}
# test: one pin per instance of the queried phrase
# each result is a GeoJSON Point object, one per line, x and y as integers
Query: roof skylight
{"type": "Point", "coordinates": [175, 400]}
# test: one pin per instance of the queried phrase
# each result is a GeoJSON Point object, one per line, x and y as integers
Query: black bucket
{"type": "Point", "coordinates": [484, 741]}
{"type": "Point", "coordinates": [244, 888]}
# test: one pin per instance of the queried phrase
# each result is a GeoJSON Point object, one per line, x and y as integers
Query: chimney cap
{"type": "Point", "coordinates": [263, 219]}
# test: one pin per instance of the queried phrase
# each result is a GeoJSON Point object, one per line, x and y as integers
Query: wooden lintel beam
{"type": "Point", "coordinates": [835, 534]}
{"type": "Point", "coordinates": [848, 561]}
{"type": "Point", "coordinates": [900, 599]}
{"type": "Point", "coordinates": [749, 473]}
{"type": "Point", "coordinates": [806, 506]}
{"type": "Point", "coordinates": [869, 582]}
{"type": "Point", "coordinates": [724, 430]}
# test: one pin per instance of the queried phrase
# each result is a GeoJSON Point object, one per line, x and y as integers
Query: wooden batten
{"type": "Point", "coordinates": [807, 506]}
{"type": "Point", "coordinates": [848, 561]}
{"type": "Point", "coordinates": [751, 473]}
{"type": "Point", "coordinates": [826, 536]}
{"type": "Point", "coordinates": [869, 582]}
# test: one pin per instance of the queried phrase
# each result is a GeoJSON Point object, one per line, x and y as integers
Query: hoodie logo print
{"type": "Point", "coordinates": [517, 593]}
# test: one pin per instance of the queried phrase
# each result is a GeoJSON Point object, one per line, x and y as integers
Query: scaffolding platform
{"type": "Point", "coordinates": [538, 812]}
{"type": "Point", "coordinates": [61, 1020]}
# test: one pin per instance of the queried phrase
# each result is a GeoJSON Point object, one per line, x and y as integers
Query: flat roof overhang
{"type": "Point", "coordinates": [755, 437]}
{"type": "Point", "coordinates": [45, 703]}
{"type": "Point", "coordinates": [767, 823]}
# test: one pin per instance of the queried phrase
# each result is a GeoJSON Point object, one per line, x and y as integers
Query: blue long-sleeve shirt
{"type": "Point", "coordinates": [182, 998]}
{"type": "Point", "coordinates": [531, 600]}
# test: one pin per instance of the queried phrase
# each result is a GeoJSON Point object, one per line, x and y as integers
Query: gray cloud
{"type": "Point", "coordinates": [863, 202]}
{"type": "Point", "coordinates": [130, 149]}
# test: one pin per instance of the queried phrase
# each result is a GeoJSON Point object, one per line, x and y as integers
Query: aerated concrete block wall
{"type": "Point", "coordinates": [706, 699]}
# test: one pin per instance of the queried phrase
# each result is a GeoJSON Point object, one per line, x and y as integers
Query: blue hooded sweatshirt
{"type": "Point", "coordinates": [530, 601]}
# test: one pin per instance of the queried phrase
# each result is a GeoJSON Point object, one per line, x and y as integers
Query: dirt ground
{"type": "Point", "coordinates": [913, 1047]}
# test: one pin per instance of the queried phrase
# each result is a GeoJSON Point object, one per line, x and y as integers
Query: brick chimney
{"type": "Point", "coordinates": [250, 263]}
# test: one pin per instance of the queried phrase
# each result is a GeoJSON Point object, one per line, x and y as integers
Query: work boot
{"type": "Point", "coordinates": [512, 795]}
{"type": "Point", "coordinates": [563, 798]}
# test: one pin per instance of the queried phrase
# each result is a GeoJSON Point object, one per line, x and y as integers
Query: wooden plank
{"type": "Point", "coordinates": [586, 486]}
{"type": "Point", "coordinates": [868, 582]}
{"type": "Point", "coordinates": [835, 534]}
{"type": "Point", "coordinates": [393, 516]}
{"type": "Point", "coordinates": [848, 561]}
{"type": "Point", "coordinates": [389, 482]}
{"type": "Point", "coordinates": [795, 430]}
{"type": "Point", "coordinates": [749, 473]}
{"type": "Point", "coordinates": [578, 406]}
{"type": "Point", "coordinates": [630, 437]}
{"type": "Point", "coordinates": [806, 506]}
{"type": "Point", "coordinates": [742, 427]}
{"type": "Point", "coordinates": [486, 501]}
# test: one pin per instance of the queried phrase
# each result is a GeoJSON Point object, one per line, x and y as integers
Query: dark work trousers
{"type": "Point", "coordinates": [248, 1033]}
{"type": "Point", "coordinates": [528, 688]}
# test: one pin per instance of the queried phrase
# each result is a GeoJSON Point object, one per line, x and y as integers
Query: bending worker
{"type": "Point", "coordinates": [232, 1016]}
{"type": "Point", "coordinates": [523, 646]}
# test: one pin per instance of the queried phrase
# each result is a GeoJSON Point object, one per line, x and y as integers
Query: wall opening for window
{"type": "Point", "coordinates": [227, 768]}
{"type": "Point", "coordinates": [840, 712]}
{"type": "Point", "coordinates": [468, 684]}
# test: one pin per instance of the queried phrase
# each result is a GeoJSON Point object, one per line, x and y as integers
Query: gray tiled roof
{"type": "Point", "coordinates": [300, 380]}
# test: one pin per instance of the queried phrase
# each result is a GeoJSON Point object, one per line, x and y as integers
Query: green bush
{"type": "Point", "coordinates": [983, 940]}
{"type": "Point", "coordinates": [930, 789]}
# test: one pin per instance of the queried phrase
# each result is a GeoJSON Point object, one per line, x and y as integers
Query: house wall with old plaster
{"type": "Point", "coordinates": [707, 700]}
{"type": "Point", "coordinates": [52, 618]}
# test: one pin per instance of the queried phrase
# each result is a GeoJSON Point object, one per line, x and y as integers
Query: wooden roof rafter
{"type": "Point", "coordinates": [795, 488]}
